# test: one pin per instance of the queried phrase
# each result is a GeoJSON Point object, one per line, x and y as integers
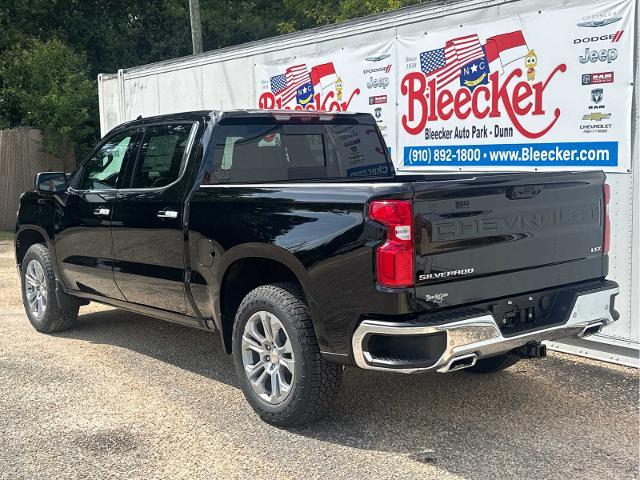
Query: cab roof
{"type": "Point", "coordinates": [234, 116]}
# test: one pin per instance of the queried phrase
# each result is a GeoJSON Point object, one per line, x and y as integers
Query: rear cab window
{"type": "Point", "coordinates": [262, 149]}
{"type": "Point", "coordinates": [163, 155]}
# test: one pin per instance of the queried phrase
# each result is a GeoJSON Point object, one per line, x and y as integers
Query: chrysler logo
{"type": "Point", "coordinates": [600, 23]}
{"type": "Point", "coordinates": [377, 58]}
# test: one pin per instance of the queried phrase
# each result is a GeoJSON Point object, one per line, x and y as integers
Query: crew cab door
{"type": "Point", "coordinates": [149, 264]}
{"type": "Point", "coordinates": [84, 250]}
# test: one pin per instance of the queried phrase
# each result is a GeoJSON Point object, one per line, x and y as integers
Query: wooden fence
{"type": "Point", "coordinates": [21, 157]}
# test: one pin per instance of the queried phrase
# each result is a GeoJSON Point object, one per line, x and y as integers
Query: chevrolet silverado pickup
{"type": "Point", "coordinates": [290, 235]}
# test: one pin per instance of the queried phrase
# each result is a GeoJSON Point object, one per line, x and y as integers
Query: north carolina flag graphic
{"type": "Point", "coordinates": [304, 94]}
{"type": "Point", "coordinates": [324, 74]}
{"type": "Point", "coordinates": [285, 86]}
{"type": "Point", "coordinates": [475, 73]}
{"type": "Point", "coordinates": [504, 49]}
{"type": "Point", "coordinates": [445, 63]}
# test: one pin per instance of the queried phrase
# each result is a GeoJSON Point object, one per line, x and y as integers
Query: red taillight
{"type": "Point", "coordinates": [606, 242]}
{"type": "Point", "coordinates": [394, 258]}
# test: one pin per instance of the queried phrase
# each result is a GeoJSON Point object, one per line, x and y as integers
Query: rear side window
{"type": "Point", "coordinates": [163, 155]}
{"type": "Point", "coordinates": [271, 153]}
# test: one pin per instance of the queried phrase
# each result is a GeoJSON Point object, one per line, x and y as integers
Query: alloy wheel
{"type": "Point", "coordinates": [267, 357]}
{"type": "Point", "coordinates": [36, 289]}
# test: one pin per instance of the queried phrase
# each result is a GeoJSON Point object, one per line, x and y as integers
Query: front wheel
{"type": "Point", "coordinates": [281, 371]}
{"type": "Point", "coordinates": [39, 297]}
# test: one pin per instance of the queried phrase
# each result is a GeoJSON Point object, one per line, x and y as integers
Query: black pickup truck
{"type": "Point", "coordinates": [290, 234]}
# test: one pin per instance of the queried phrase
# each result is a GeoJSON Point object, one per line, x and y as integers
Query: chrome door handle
{"type": "Point", "coordinates": [167, 214]}
{"type": "Point", "coordinates": [103, 212]}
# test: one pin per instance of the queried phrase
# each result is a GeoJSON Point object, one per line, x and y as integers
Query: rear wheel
{"type": "Point", "coordinates": [277, 359]}
{"type": "Point", "coordinates": [43, 306]}
{"type": "Point", "coordinates": [494, 364]}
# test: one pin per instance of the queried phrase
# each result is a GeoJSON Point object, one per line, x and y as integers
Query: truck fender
{"type": "Point", "coordinates": [262, 251]}
{"type": "Point", "coordinates": [26, 227]}
{"type": "Point", "coordinates": [269, 252]}
{"type": "Point", "coordinates": [49, 243]}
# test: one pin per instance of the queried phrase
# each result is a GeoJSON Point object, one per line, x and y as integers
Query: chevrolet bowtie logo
{"type": "Point", "coordinates": [596, 116]}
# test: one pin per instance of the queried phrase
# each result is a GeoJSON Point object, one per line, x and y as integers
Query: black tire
{"type": "Point", "coordinates": [55, 316]}
{"type": "Point", "coordinates": [494, 364]}
{"type": "Point", "coordinates": [316, 382]}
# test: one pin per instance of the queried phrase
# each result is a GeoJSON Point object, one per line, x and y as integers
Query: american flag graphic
{"type": "Point", "coordinates": [445, 63]}
{"type": "Point", "coordinates": [284, 86]}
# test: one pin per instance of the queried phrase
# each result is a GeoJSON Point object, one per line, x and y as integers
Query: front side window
{"type": "Point", "coordinates": [280, 152]}
{"type": "Point", "coordinates": [163, 155]}
{"type": "Point", "coordinates": [102, 170]}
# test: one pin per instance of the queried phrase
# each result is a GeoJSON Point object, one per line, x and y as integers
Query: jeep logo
{"type": "Point", "coordinates": [605, 55]}
{"type": "Point", "coordinates": [382, 82]}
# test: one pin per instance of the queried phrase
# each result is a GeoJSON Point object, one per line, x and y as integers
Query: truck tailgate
{"type": "Point", "coordinates": [507, 228]}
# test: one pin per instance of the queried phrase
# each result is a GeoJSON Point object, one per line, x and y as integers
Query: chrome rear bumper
{"type": "Point", "coordinates": [479, 337]}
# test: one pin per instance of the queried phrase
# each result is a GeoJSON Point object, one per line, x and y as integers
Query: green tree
{"type": "Point", "coordinates": [304, 14]}
{"type": "Point", "coordinates": [111, 34]}
{"type": "Point", "coordinates": [45, 85]}
{"type": "Point", "coordinates": [52, 50]}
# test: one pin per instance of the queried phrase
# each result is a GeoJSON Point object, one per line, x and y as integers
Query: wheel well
{"type": "Point", "coordinates": [26, 238]}
{"type": "Point", "coordinates": [242, 277]}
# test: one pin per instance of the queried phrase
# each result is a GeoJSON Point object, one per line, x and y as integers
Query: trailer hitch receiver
{"type": "Point", "coordinates": [532, 350]}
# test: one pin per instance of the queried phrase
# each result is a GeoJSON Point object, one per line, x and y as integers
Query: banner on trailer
{"type": "Point", "coordinates": [358, 79]}
{"type": "Point", "coordinates": [539, 91]}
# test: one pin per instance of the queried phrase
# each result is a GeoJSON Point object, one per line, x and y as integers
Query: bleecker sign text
{"type": "Point", "coordinates": [515, 98]}
{"type": "Point", "coordinates": [268, 101]}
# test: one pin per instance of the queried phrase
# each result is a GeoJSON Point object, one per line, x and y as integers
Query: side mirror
{"type": "Point", "coordinates": [51, 182]}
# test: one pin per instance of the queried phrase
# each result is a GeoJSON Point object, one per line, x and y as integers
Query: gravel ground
{"type": "Point", "coordinates": [127, 396]}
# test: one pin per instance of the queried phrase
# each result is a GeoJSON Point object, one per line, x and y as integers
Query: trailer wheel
{"type": "Point", "coordinates": [281, 371]}
{"type": "Point", "coordinates": [494, 364]}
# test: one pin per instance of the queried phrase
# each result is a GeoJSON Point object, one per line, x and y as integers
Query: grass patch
{"type": "Point", "coordinates": [6, 235]}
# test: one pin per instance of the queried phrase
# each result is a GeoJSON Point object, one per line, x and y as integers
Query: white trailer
{"type": "Point", "coordinates": [385, 64]}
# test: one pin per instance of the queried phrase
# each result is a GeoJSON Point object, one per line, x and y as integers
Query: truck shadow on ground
{"type": "Point", "coordinates": [523, 422]}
